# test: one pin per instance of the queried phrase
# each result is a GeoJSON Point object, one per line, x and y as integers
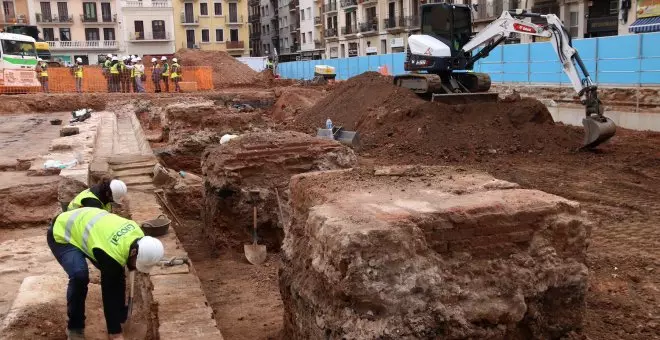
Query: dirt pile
{"type": "Point", "coordinates": [40, 102]}
{"type": "Point", "coordinates": [293, 100]}
{"type": "Point", "coordinates": [430, 252]}
{"type": "Point", "coordinates": [227, 71]}
{"type": "Point", "coordinates": [396, 124]}
{"type": "Point", "coordinates": [29, 205]}
{"type": "Point", "coordinates": [260, 162]}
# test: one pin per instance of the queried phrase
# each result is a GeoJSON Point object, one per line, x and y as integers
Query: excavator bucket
{"type": "Point", "coordinates": [465, 98]}
{"type": "Point", "coordinates": [597, 130]}
{"type": "Point", "coordinates": [350, 138]}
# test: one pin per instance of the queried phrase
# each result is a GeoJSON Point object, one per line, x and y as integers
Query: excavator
{"type": "Point", "coordinates": [440, 60]}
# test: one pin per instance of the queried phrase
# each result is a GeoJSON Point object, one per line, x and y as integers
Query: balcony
{"type": "Point", "coordinates": [253, 3]}
{"type": "Point", "coordinates": [189, 20]}
{"type": "Point", "coordinates": [488, 10]}
{"type": "Point", "coordinates": [106, 19]}
{"type": "Point", "coordinates": [318, 44]}
{"type": "Point", "coordinates": [57, 19]}
{"type": "Point", "coordinates": [292, 5]}
{"type": "Point", "coordinates": [235, 45]}
{"type": "Point", "coordinates": [146, 4]}
{"type": "Point", "coordinates": [330, 33]}
{"type": "Point", "coordinates": [96, 45]}
{"type": "Point", "coordinates": [149, 36]}
{"type": "Point", "coordinates": [366, 2]}
{"type": "Point", "coordinates": [294, 28]}
{"type": "Point", "coordinates": [317, 21]}
{"type": "Point", "coordinates": [348, 3]}
{"type": "Point", "coordinates": [254, 18]}
{"type": "Point", "coordinates": [370, 26]}
{"type": "Point", "coordinates": [412, 22]}
{"type": "Point", "coordinates": [330, 7]}
{"type": "Point", "coordinates": [349, 30]}
{"type": "Point", "coordinates": [235, 20]}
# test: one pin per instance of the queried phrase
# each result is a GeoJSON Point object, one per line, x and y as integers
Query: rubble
{"type": "Point", "coordinates": [427, 252]}
{"type": "Point", "coordinates": [227, 71]}
{"type": "Point", "coordinates": [260, 162]}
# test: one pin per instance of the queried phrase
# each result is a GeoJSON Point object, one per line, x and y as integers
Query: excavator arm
{"type": "Point", "coordinates": [598, 128]}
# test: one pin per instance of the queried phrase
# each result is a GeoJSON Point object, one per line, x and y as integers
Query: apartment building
{"type": "Point", "coordinates": [14, 12]}
{"type": "Point", "coordinates": [147, 27]}
{"type": "Point", "coordinates": [213, 25]}
{"type": "Point", "coordinates": [368, 27]}
{"type": "Point", "coordinates": [311, 30]}
{"type": "Point", "coordinates": [269, 20]}
{"type": "Point", "coordinates": [255, 27]}
{"type": "Point", "coordinates": [77, 29]}
{"type": "Point", "coordinates": [289, 29]}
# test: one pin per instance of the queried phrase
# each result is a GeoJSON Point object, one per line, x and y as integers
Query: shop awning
{"type": "Point", "coordinates": [645, 25]}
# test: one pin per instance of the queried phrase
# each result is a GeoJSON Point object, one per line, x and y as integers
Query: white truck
{"type": "Point", "coordinates": [18, 61]}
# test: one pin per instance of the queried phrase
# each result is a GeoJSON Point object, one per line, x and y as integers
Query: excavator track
{"type": "Point", "coordinates": [420, 83]}
{"type": "Point", "coordinates": [430, 86]}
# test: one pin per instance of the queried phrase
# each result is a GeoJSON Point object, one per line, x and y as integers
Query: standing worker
{"type": "Point", "coordinates": [78, 74]}
{"type": "Point", "coordinates": [111, 243]}
{"type": "Point", "coordinates": [176, 74]}
{"type": "Point", "coordinates": [99, 195]}
{"type": "Point", "coordinates": [124, 76]}
{"type": "Point", "coordinates": [138, 73]}
{"type": "Point", "coordinates": [106, 70]}
{"type": "Point", "coordinates": [165, 74]}
{"type": "Point", "coordinates": [133, 82]}
{"type": "Point", "coordinates": [156, 70]}
{"type": "Point", "coordinates": [114, 75]}
{"type": "Point", "coordinates": [42, 74]}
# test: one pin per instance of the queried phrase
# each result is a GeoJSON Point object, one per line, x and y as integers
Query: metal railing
{"type": "Point", "coordinates": [62, 19]}
{"type": "Point", "coordinates": [394, 22]}
{"type": "Point", "coordinates": [146, 3]}
{"type": "Point", "coordinates": [491, 9]}
{"type": "Point", "coordinates": [84, 45]}
{"type": "Point", "coordinates": [330, 32]}
{"type": "Point", "coordinates": [150, 36]}
{"type": "Point", "coordinates": [412, 21]}
{"type": "Point", "coordinates": [293, 28]}
{"type": "Point", "coordinates": [318, 44]}
{"type": "Point", "coordinates": [254, 17]}
{"type": "Point", "coordinates": [330, 7]}
{"type": "Point", "coordinates": [106, 18]}
{"type": "Point", "coordinates": [235, 19]}
{"type": "Point", "coordinates": [293, 4]}
{"type": "Point", "coordinates": [189, 19]}
{"type": "Point", "coordinates": [234, 45]}
{"type": "Point", "coordinates": [350, 29]}
{"type": "Point", "coordinates": [370, 25]}
{"type": "Point", "coordinates": [348, 3]}
{"type": "Point", "coordinates": [109, 18]}
{"type": "Point", "coordinates": [317, 20]}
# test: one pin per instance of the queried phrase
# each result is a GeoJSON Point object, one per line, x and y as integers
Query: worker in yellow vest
{"type": "Point", "coordinates": [156, 71]}
{"type": "Point", "coordinates": [165, 74]}
{"type": "Point", "coordinates": [175, 74]}
{"type": "Point", "coordinates": [111, 243]}
{"type": "Point", "coordinates": [114, 75]}
{"type": "Point", "coordinates": [106, 69]}
{"type": "Point", "coordinates": [42, 74]}
{"type": "Point", "coordinates": [140, 77]}
{"type": "Point", "coordinates": [100, 195]}
{"type": "Point", "coordinates": [132, 68]}
{"type": "Point", "coordinates": [124, 75]}
{"type": "Point", "coordinates": [78, 75]}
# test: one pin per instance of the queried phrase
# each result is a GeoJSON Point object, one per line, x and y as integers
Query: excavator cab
{"type": "Point", "coordinates": [450, 24]}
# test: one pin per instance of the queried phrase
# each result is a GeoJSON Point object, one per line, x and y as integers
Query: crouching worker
{"type": "Point", "coordinates": [100, 195]}
{"type": "Point", "coordinates": [110, 242]}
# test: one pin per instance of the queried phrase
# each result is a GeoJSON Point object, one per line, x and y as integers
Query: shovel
{"type": "Point", "coordinates": [255, 253]}
{"type": "Point", "coordinates": [131, 277]}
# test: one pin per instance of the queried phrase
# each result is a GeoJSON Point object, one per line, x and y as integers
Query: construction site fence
{"type": "Point", "coordinates": [627, 60]}
{"type": "Point", "coordinates": [62, 80]}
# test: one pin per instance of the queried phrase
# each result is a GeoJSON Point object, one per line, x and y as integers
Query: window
{"type": "Point", "coordinates": [370, 13]}
{"type": "Point", "coordinates": [205, 35]}
{"type": "Point", "coordinates": [203, 8]}
{"type": "Point", "coordinates": [158, 29]}
{"type": "Point", "coordinates": [233, 35]}
{"type": "Point", "coordinates": [573, 24]}
{"type": "Point", "coordinates": [18, 48]}
{"type": "Point", "coordinates": [302, 14]}
{"type": "Point", "coordinates": [89, 10]}
{"type": "Point", "coordinates": [106, 12]}
{"type": "Point", "coordinates": [219, 35]}
{"type": "Point", "coordinates": [109, 34]}
{"type": "Point", "coordinates": [309, 12]}
{"type": "Point", "coordinates": [46, 15]}
{"type": "Point", "coordinates": [217, 8]}
{"type": "Point", "coordinates": [92, 34]}
{"type": "Point", "coordinates": [309, 36]}
{"type": "Point", "coordinates": [49, 34]}
{"type": "Point", "coordinates": [303, 38]}
{"type": "Point", "coordinates": [8, 9]}
{"type": "Point", "coordinates": [614, 7]}
{"type": "Point", "coordinates": [233, 12]}
{"type": "Point", "coordinates": [65, 34]}
{"type": "Point", "coordinates": [63, 11]}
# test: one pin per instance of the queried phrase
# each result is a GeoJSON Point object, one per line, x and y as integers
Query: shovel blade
{"type": "Point", "coordinates": [255, 253]}
{"type": "Point", "coordinates": [597, 131]}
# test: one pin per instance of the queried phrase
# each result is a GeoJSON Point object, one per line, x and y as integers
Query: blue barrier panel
{"type": "Point", "coordinates": [397, 63]}
{"type": "Point", "coordinates": [587, 48]}
{"type": "Point", "coordinates": [620, 47]}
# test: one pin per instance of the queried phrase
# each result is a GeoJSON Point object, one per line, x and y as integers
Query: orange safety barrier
{"type": "Point", "coordinates": [61, 80]}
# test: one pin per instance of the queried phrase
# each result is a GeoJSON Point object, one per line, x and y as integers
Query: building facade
{"type": "Point", "coordinates": [269, 21]}
{"type": "Point", "coordinates": [289, 29]}
{"type": "Point", "coordinates": [147, 27]}
{"type": "Point", "coordinates": [311, 30]}
{"type": "Point", "coordinates": [77, 29]}
{"type": "Point", "coordinates": [255, 27]}
{"type": "Point", "coordinates": [215, 25]}
{"type": "Point", "coordinates": [14, 12]}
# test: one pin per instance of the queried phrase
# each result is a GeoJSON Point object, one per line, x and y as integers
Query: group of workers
{"type": "Point", "coordinates": [127, 74]}
{"type": "Point", "coordinates": [123, 74]}
{"type": "Point", "coordinates": [88, 230]}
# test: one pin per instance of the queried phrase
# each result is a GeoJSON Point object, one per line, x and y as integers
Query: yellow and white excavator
{"type": "Point", "coordinates": [440, 60]}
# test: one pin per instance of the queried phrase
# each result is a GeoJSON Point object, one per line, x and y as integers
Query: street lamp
{"type": "Point", "coordinates": [359, 36]}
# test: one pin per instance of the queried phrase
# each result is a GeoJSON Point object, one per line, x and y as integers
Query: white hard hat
{"type": "Point", "coordinates": [133, 60]}
{"type": "Point", "coordinates": [163, 58]}
{"type": "Point", "coordinates": [150, 252]}
{"type": "Point", "coordinates": [118, 189]}
{"type": "Point", "coordinates": [138, 59]}
{"type": "Point", "coordinates": [109, 55]}
{"type": "Point", "coordinates": [174, 60]}
{"type": "Point", "coordinates": [115, 58]}
{"type": "Point", "coordinates": [39, 59]}
{"type": "Point", "coordinates": [153, 60]}
{"type": "Point", "coordinates": [79, 60]}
